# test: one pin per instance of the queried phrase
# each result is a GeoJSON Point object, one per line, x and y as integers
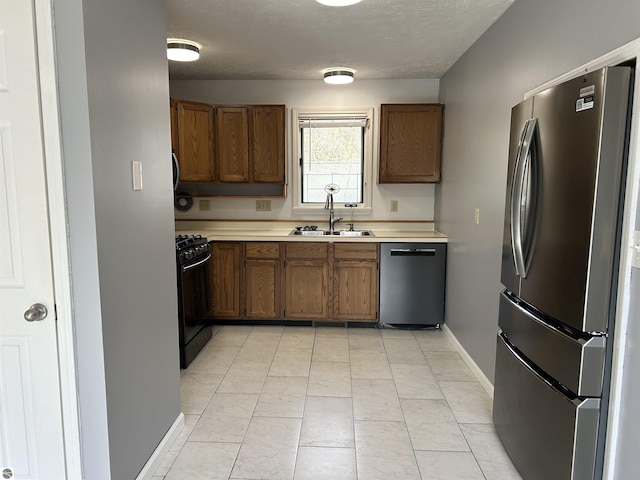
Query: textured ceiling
{"type": "Point", "coordinates": [297, 39]}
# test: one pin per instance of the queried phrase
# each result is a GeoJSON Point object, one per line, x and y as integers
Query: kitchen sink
{"type": "Point", "coordinates": [342, 233]}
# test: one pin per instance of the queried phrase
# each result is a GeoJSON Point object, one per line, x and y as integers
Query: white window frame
{"type": "Point", "coordinates": [367, 173]}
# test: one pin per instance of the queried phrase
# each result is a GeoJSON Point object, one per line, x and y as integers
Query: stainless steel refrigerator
{"type": "Point", "coordinates": [567, 163]}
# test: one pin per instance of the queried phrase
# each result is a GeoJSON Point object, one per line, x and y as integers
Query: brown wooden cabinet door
{"type": "Point", "coordinates": [225, 279]}
{"type": "Point", "coordinates": [267, 143]}
{"type": "Point", "coordinates": [262, 284]}
{"type": "Point", "coordinates": [195, 142]}
{"type": "Point", "coordinates": [232, 138]}
{"type": "Point", "coordinates": [410, 143]}
{"type": "Point", "coordinates": [355, 290]}
{"type": "Point", "coordinates": [306, 289]}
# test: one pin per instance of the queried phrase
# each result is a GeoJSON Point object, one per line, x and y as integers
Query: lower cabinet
{"type": "Point", "coordinates": [225, 280]}
{"type": "Point", "coordinates": [295, 281]}
{"type": "Point", "coordinates": [262, 276]}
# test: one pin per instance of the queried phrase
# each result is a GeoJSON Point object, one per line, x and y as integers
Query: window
{"type": "Point", "coordinates": [334, 152]}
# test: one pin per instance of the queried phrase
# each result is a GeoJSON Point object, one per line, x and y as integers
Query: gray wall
{"type": "Point", "coordinates": [114, 94]}
{"type": "Point", "coordinates": [533, 42]}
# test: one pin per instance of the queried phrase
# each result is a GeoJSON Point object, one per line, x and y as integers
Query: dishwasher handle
{"type": "Point", "coordinates": [413, 252]}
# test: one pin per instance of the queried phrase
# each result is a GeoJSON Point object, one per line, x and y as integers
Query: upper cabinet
{"type": "Point", "coordinates": [410, 143]}
{"type": "Point", "coordinates": [267, 143]}
{"type": "Point", "coordinates": [229, 144]}
{"type": "Point", "coordinates": [232, 138]}
{"type": "Point", "coordinates": [194, 135]}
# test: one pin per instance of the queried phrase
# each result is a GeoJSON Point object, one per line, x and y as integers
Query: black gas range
{"type": "Point", "coordinates": [193, 256]}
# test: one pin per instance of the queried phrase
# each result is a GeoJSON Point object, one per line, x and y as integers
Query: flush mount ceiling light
{"type": "Point", "coordinates": [338, 3]}
{"type": "Point", "coordinates": [338, 75]}
{"type": "Point", "coordinates": [182, 50]}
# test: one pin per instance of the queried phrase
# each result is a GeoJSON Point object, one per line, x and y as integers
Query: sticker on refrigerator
{"type": "Point", "coordinates": [585, 103]}
{"type": "Point", "coordinates": [586, 91]}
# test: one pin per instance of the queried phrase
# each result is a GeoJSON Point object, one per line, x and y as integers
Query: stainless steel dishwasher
{"type": "Point", "coordinates": [412, 281]}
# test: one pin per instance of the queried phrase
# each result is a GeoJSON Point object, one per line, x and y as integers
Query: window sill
{"type": "Point", "coordinates": [338, 210]}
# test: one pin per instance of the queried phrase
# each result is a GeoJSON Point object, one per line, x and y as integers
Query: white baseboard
{"type": "Point", "coordinates": [473, 366]}
{"type": "Point", "coordinates": [163, 447]}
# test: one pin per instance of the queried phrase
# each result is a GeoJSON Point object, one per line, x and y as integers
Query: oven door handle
{"type": "Point", "coordinates": [197, 264]}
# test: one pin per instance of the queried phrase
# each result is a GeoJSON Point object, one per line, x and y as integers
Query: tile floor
{"type": "Point", "coordinates": [327, 403]}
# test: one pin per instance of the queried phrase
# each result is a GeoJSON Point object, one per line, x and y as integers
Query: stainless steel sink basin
{"type": "Point", "coordinates": [343, 233]}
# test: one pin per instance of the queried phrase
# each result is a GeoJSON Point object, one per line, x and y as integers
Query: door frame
{"type": "Point", "coordinates": [629, 51]}
{"type": "Point", "coordinates": [61, 268]}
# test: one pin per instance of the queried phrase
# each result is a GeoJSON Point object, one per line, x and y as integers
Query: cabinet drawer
{"type": "Point", "coordinates": [262, 250]}
{"type": "Point", "coordinates": [365, 251]}
{"type": "Point", "coordinates": [306, 250]}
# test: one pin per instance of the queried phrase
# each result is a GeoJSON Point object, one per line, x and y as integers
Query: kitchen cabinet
{"type": "Point", "coordinates": [226, 274]}
{"type": "Point", "coordinates": [193, 132]}
{"type": "Point", "coordinates": [410, 143]}
{"type": "Point", "coordinates": [268, 143]}
{"type": "Point", "coordinates": [355, 281]}
{"type": "Point", "coordinates": [262, 275]}
{"type": "Point", "coordinates": [306, 274]}
{"type": "Point", "coordinates": [232, 139]}
{"type": "Point", "coordinates": [242, 144]}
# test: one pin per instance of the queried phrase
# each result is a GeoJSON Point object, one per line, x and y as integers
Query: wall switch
{"type": "Point", "coordinates": [136, 173]}
{"type": "Point", "coordinates": [204, 205]}
{"type": "Point", "coordinates": [394, 206]}
{"type": "Point", "coordinates": [635, 255]}
{"type": "Point", "coordinates": [477, 216]}
{"type": "Point", "coordinates": [263, 205]}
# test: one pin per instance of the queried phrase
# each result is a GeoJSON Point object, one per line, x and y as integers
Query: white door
{"type": "Point", "coordinates": [31, 441]}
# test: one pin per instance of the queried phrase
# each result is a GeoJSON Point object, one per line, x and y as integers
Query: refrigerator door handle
{"type": "Point", "coordinates": [523, 157]}
{"type": "Point", "coordinates": [176, 165]}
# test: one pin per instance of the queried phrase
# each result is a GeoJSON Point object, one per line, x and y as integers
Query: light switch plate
{"type": "Point", "coordinates": [394, 206]}
{"type": "Point", "coordinates": [136, 173]}
{"type": "Point", "coordinates": [263, 205]}
{"type": "Point", "coordinates": [477, 216]}
{"type": "Point", "coordinates": [635, 255]}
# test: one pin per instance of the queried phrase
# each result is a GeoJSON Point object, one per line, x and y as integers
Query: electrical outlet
{"type": "Point", "coordinates": [477, 216]}
{"type": "Point", "coordinates": [263, 205]}
{"type": "Point", "coordinates": [204, 205]}
{"type": "Point", "coordinates": [394, 205]}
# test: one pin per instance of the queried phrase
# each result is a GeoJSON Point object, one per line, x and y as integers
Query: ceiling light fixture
{"type": "Point", "coordinates": [182, 50]}
{"type": "Point", "coordinates": [338, 75]}
{"type": "Point", "coordinates": [338, 3]}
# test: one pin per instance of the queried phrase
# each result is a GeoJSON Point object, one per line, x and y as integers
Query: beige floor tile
{"type": "Point", "coordinates": [405, 351]}
{"type": "Point", "coordinates": [433, 340]}
{"type": "Point", "coordinates": [376, 400]}
{"type": "Point", "coordinates": [396, 333]}
{"type": "Point", "coordinates": [204, 461]}
{"type": "Point", "coordinates": [332, 332]}
{"type": "Point", "coordinates": [441, 354]}
{"type": "Point", "coordinates": [432, 426]}
{"type": "Point", "coordinates": [327, 422]}
{"type": "Point", "coordinates": [329, 380]}
{"type": "Point", "coordinates": [368, 364]}
{"type": "Point", "coordinates": [258, 349]}
{"type": "Point", "coordinates": [291, 363]}
{"type": "Point", "coordinates": [384, 452]}
{"type": "Point", "coordinates": [231, 336]}
{"type": "Point", "coordinates": [330, 349]}
{"type": "Point", "coordinates": [321, 463]}
{"type": "Point", "coordinates": [451, 370]}
{"type": "Point", "coordinates": [226, 418]}
{"type": "Point", "coordinates": [244, 377]}
{"type": "Point", "coordinates": [189, 423]}
{"type": "Point", "coordinates": [366, 343]}
{"type": "Point", "coordinates": [269, 449]}
{"type": "Point", "coordinates": [196, 390]}
{"type": "Point", "coordinates": [416, 381]}
{"type": "Point", "coordinates": [448, 466]}
{"type": "Point", "coordinates": [296, 342]}
{"type": "Point", "coordinates": [213, 360]}
{"type": "Point", "coordinates": [489, 452]}
{"type": "Point", "coordinates": [282, 397]}
{"type": "Point", "coordinates": [468, 401]}
{"type": "Point", "coordinates": [267, 330]}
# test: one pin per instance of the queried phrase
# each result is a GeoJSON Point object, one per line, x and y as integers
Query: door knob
{"type": "Point", "coordinates": [35, 313]}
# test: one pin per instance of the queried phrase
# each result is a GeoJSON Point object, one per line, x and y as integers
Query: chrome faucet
{"type": "Point", "coordinates": [328, 205]}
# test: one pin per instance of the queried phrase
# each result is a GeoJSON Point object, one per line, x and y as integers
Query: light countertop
{"type": "Point", "coordinates": [279, 232]}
